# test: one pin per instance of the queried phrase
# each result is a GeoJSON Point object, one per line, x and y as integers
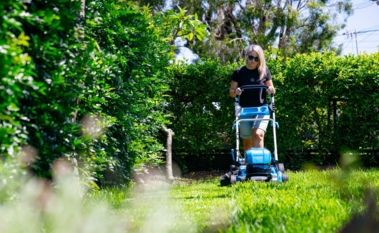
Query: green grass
{"type": "Point", "coordinates": [308, 203]}
{"type": "Point", "coordinates": [312, 201]}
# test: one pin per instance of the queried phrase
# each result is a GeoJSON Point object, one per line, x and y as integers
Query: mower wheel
{"type": "Point", "coordinates": [233, 178]}
{"type": "Point", "coordinates": [234, 169]}
{"type": "Point", "coordinates": [225, 179]}
{"type": "Point", "coordinates": [281, 167]}
{"type": "Point", "coordinates": [285, 177]}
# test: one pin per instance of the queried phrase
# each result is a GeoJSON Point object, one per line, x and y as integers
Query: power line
{"type": "Point", "coordinates": [354, 34]}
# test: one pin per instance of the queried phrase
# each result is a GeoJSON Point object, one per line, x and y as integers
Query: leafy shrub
{"type": "Point", "coordinates": [16, 72]}
{"type": "Point", "coordinates": [321, 100]}
{"type": "Point", "coordinates": [136, 60]}
{"type": "Point", "coordinates": [202, 111]}
{"type": "Point", "coordinates": [93, 91]}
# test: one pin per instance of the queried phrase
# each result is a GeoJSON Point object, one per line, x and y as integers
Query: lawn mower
{"type": "Point", "coordinates": [256, 164]}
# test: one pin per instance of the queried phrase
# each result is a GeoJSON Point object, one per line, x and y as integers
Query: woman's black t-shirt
{"type": "Point", "coordinates": [254, 97]}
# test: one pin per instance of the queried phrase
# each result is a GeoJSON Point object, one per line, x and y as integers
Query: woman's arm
{"type": "Point", "coordinates": [233, 92]}
{"type": "Point", "coordinates": [270, 87]}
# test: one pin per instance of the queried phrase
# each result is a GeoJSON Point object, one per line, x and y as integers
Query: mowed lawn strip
{"type": "Point", "coordinates": [312, 201]}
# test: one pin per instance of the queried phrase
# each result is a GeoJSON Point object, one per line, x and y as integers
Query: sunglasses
{"type": "Point", "coordinates": [253, 58]}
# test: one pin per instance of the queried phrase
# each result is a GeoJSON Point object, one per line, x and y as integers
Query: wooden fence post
{"type": "Point", "coordinates": [169, 172]}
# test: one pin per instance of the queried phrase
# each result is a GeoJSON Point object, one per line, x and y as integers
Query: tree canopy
{"type": "Point", "coordinates": [292, 26]}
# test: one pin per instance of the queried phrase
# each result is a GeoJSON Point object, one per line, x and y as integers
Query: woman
{"type": "Point", "coordinates": [254, 72]}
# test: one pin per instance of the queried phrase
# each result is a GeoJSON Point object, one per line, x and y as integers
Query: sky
{"type": "Point", "coordinates": [365, 22]}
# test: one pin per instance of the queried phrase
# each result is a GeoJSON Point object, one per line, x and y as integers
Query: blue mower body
{"type": "Point", "coordinates": [250, 112]}
{"type": "Point", "coordinates": [257, 164]}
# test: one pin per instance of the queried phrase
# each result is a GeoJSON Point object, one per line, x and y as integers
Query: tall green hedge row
{"type": "Point", "coordinates": [333, 101]}
{"type": "Point", "coordinates": [326, 104]}
{"type": "Point", "coordinates": [329, 104]}
{"type": "Point", "coordinates": [91, 90]}
{"type": "Point", "coordinates": [202, 112]}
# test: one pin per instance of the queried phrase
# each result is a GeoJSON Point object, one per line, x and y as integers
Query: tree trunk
{"type": "Point", "coordinates": [169, 172]}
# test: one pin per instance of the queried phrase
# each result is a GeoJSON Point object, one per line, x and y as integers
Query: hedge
{"type": "Point", "coordinates": [326, 105]}
{"type": "Point", "coordinates": [91, 90]}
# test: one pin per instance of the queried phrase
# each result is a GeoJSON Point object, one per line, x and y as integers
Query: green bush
{"type": "Point", "coordinates": [202, 111]}
{"type": "Point", "coordinates": [92, 90]}
{"type": "Point", "coordinates": [16, 72]}
{"type": "Point", "coordinates": [136, 57]}
{"type": "Point", "coordinates": [50, 128]}
{"type": "Point", "coordinates": [325, 105]}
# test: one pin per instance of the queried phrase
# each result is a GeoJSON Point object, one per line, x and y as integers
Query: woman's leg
{"type": "Point", "coordinates": [245, 134]}
{"type": "Point", "coordinates": [258, 138]}
{"type": "Point", "coordinates": [247, 143]}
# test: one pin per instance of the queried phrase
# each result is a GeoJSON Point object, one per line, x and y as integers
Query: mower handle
{"type": "Point", "coordinates": [252, 87]}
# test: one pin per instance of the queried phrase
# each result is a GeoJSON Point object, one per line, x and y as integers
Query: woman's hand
{"type": "Point", "coordinates": [238, 91]}
{"type": "Point", "coordinates": [270, 90]}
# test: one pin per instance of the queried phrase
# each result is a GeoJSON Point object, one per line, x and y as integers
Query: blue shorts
{"type": "Point", "coordinates": [246, 127]}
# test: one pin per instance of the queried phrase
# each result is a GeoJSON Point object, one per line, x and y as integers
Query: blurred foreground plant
{"type": "Point", "coordinates": [64, 205]}
{"type": "Point", "coordinates": [41, 206]}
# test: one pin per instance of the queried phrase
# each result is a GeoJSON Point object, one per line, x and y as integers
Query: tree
{"type": "Point", "coordinates": [291, 25]}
